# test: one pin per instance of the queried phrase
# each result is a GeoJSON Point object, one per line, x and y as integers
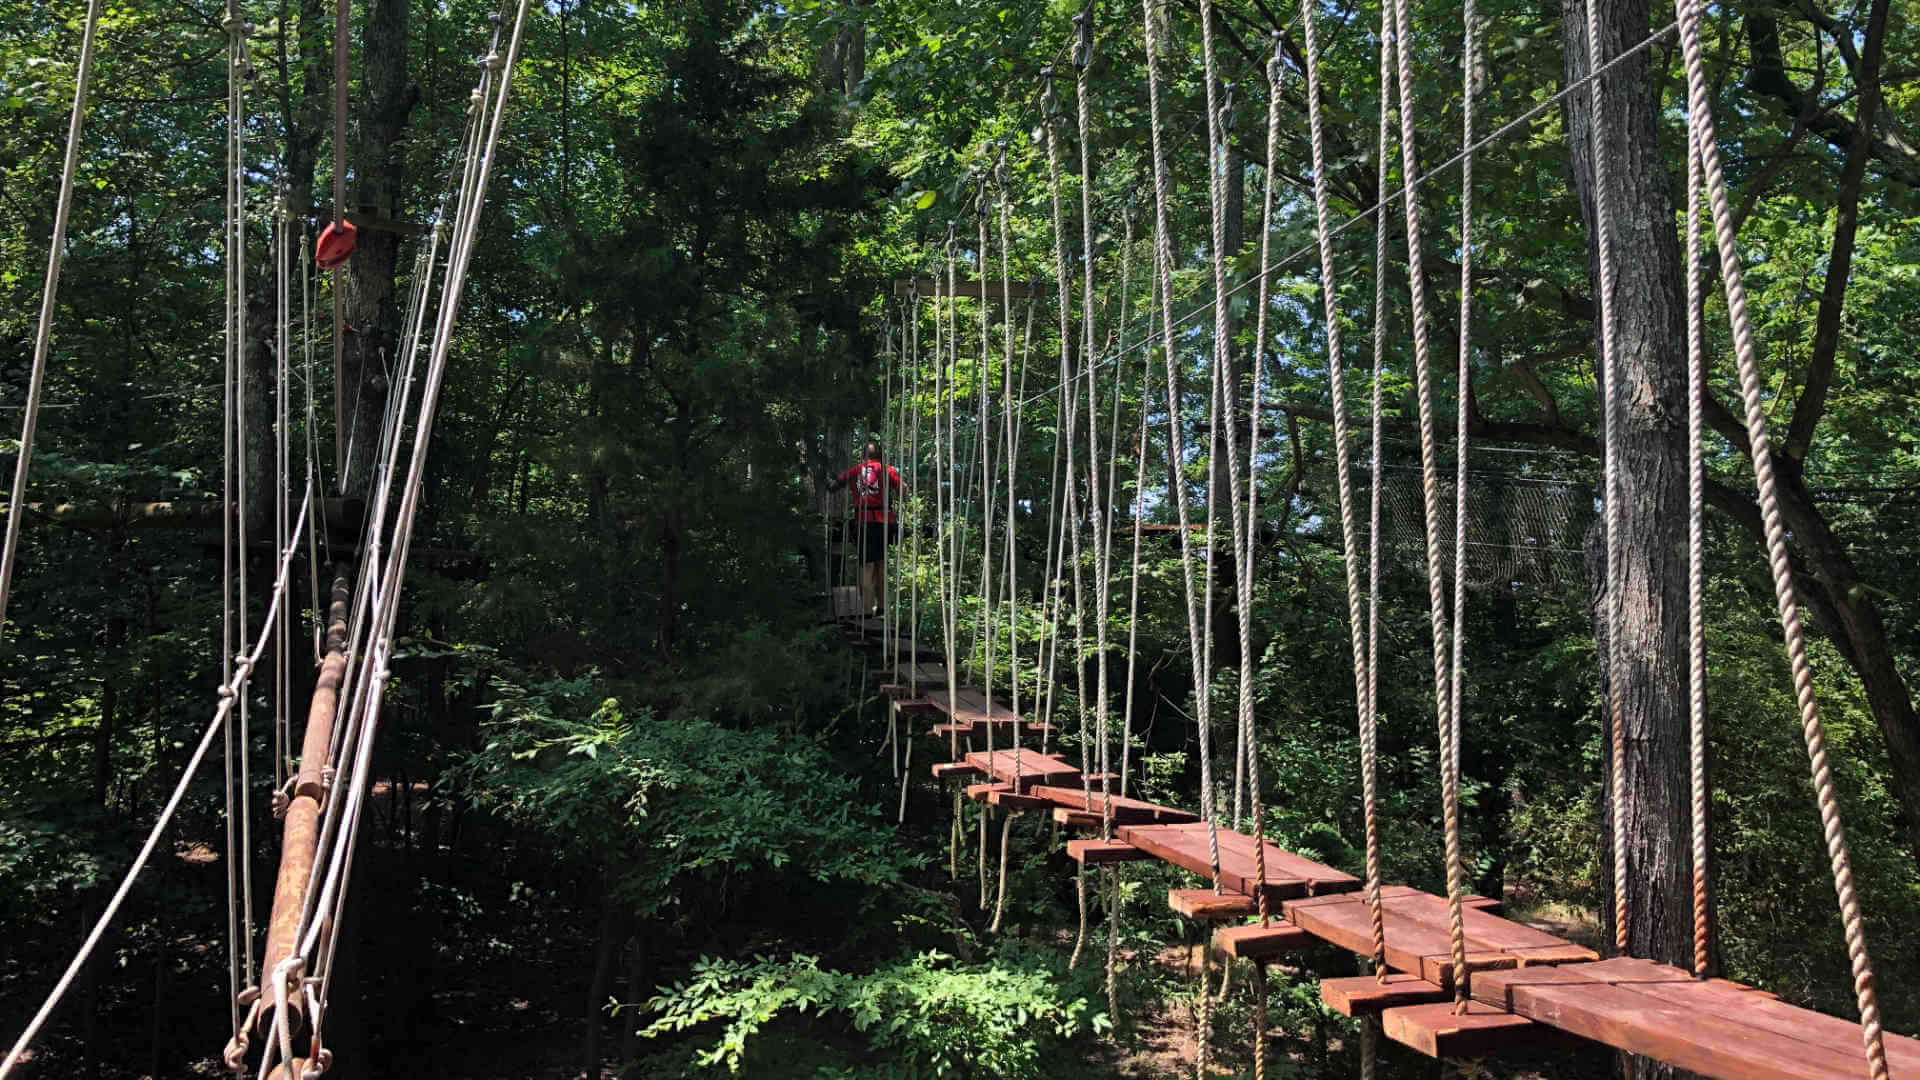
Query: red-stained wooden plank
{"type": "Point", "coordinates": [1364, 995]}
{"type": "Point", "coordinates": [1126, 811]}
{"type": "Point", "coordinates": [1644, 1019]}
{"type": "Point", "coordinates": [955, 770]}
{"type": "Point", "coordinates": [1189, 847]}
{"type": "Point", "coordinates": [1205, 904]}
{"type": "Point", "coordinates": [1007, 800]}
{"type": "Point", "coordinates": [1436, 1031]}
{"type": "Point", "coordinates": [1102, 852]}
{"type": "Point", "coordinates": [1281, 863]}
{"type": "Point", "coordinates": [1075, 819]}
{"type": "Point", "coordinates": [1413, 946]}
{"type": "Point", "coordinates": [1033, 767]}
{"type": "Point", "coordinates": [981, 792]}
{"type": "Point", "coordinates": [1256, 942]}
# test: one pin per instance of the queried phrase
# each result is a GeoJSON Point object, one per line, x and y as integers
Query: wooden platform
{"type": "Point", "coordinates": [1034, 768]}
{"type": "Point", "coordinates": [1288, 875]}
{"type": "Point", "coordinates": [1714, 1028]}
{"type": "Point", "coordinates": [1002, 731]}
{"type": "Point", "coordinates": [1417, 937]}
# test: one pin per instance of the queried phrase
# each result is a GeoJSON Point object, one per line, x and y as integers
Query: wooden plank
{"type": "Point", "coordinates": [1364, 995]}
{"type": "Point", "coordinates": [1281, 863]}
{"type": "Point", "coordinates": [1256, 942]}
{"type": "Point", "coordinates": [1102, 852]}
{"type": "Point", "coordinates": [980, 792]}
{"type": "Point", "coordinates": [1487, 931]}
{"type": "Point", "coordinates": [955, 770]}
{"type": "Point", "coordinates": [1033, 768]}
{"type": "Point", "coordinates": [1752, 1007]}
{"type": "Point", "coordinates": [1682, 1035]}
{"type": "Point", "coordinates": [1205, 904]}
{"type": "Point", "coordinates": [1349, 924]}
{"type": "Point", "coordinates": [1188, 846]}
{"type": "Point", "coordinates": [1437, 1032]}
{"type": "Point", "coordinates": [1126, 811]}
{"type": "Point", "coordinates": [930, 287]}
{"type": "Point", "coordinates": [1007, 800]}
{"type": "Point", "coordinates": [1075, 819]}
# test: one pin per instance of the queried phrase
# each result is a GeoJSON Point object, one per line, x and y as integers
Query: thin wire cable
{"type": "Point", "coordinates": [49, 298]}
{"type": "Point", "coordinates": [1700, 123]}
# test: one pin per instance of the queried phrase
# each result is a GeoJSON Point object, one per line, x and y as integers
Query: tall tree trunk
{"type": "Point", "coordinates": [372, 313]}
{"type": "Point", "coordinates": [602, 982]}
{"type": "Point", "coordinates": [1649, 651]}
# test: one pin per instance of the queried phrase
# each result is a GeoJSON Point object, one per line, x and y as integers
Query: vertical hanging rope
{"type": "Point", "coordinates": [1700, 124]}
{"type": "Point", "coordinates": [1370, 711]}
{"type": "Point", "coordinates": [1139, 518]}
{"type": "Point", "coordinates": [916, 502]}
{"type": "Point", "coordinates": [49, 299]}
{"type": "Point", "coordinates": [987, 635]}
{"type": "Point", "coordinates": [1176, 444]}
{"type": "Point", "coordinates": [1615, 495]}
{"type": "Point", "coordinates": [1010, 425]}
{"type": "Point", "coordinates": [1696, 559]}
{"type": "Point", "coordinates": [1450, 778]}
{"type": "Point", "coordinates": [342, 25]}
{"type": "Point", "coordinates": [1217, 374]}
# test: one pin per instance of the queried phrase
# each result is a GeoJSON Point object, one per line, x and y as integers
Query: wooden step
{"type": "Point", "coordinates": [1007, 800]}
{"type": "Point", "coordinates": [1032, 768]}
{"type": "Point", "coordinates": [1205, 904]}
{"type": "Point", "coordinates": [1714, 1028]}
{"type": "Point", "coordinates": [1075, 819]}
{"type": "Point", "coordinates": [1126, 811]}
{"type": "Point", "coordinates": [982, 791]}
{"type": "Point", "coordinates": [1287, 875]}
{"type": "Point", "coordinates": [1256, 942]}
{"type": "Point", "coordinates": [1417, 937]}
{"type": "Point", "coordinates": [1437, 1032]}
{"type": "Point", "coordinates": [1364, 995]}
{"type": "Point", "coordinates": [955, 770]}
{"type": "Point", "coordinates": [1102, 852]}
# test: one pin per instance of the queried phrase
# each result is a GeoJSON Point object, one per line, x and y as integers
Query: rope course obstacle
{"type": "Point", "coordinates": [1450, 976]}
{"type": "Point", "coordinates": [279, 986]}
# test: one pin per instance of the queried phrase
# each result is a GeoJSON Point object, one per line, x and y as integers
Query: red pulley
{"type": "Point", "coordinates": [335, 245]}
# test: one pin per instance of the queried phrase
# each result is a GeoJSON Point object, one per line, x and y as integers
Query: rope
{"type": "Point", "coordinates": [1139, 515]}
{"type": "Point", "coordinates": [1429, 480]}
{"type": "Point", "coordinates": [1011, 425]}
{"type": "Point", "coordinates": [1000, 901]}
{"type": "Point", "coordinates": [1696, 561]}
{"type": "Point", "coordinates": [230, 691]}
{"type": "Point", "coordinates": [1370, 706]}
{"type": "Point", "coordinates": [1705, 142]}
{"type": "Point", "coordinates": [1069, 401]}
{"type": "Point", "coordinates": [1097, 507]}
{"type": "Point", "coordinates": [49, 297]}
{"type": "Point", "coordinates": [1463, 390]}
{"type": "Point", "coordinates": [1615, 497]}
{"type": "Point", "coordinates": [1217, 375]}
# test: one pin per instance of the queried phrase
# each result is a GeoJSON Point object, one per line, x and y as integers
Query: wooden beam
{"type": "Point", "coordinates": [993, 290]}
{"type": "Point", "coordinates": [1436, 1031]}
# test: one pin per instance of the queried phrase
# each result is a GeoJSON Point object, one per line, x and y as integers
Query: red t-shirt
{"type": "Point", "coordinates": [869, 499]}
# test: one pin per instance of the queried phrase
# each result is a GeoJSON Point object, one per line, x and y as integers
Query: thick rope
{"type": "Point", "coordinates": [1463, 391]}
{"type": "Point", "coordinates": [1000, 901]}
{"type": "Point", "coordinates": [1202, 644]}
{"type": "Point", "coordinates": [1098, 506]}
{"type": "Point", "coordinates": [1429, 479]}
{"type": "Point", "coordinates": [49, 298]}
{"type": "Point", "coordinates": [1336, 380]}
{"type": "Point", "coordinates": [1370, 710]}
{"type": "Point", "coordinates": [1139, 516]}
{"type": "Point", "coordinates": [1696, 559]}
{"type": "Point", "coordinates": [1700, 123]}
{"type": "Point", "coordinates": [1615, 498]}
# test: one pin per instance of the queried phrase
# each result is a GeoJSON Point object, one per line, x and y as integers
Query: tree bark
{"type": "Point", "coordinates": [373, 316]}
{"type": "Point", "coordinates": [1649, 648]}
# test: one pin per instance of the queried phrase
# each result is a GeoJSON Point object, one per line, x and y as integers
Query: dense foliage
{"type": "Point", "coordinates": [625, 764]}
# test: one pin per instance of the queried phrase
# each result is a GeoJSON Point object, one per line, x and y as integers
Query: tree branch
{"type": "Point", "coordinates": [1846, 223]}
{"type": "Point", "coordinates": [1768, 77]}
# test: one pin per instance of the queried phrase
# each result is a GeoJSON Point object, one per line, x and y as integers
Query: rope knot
{"type": "Point", "coordinates": [495, 61]}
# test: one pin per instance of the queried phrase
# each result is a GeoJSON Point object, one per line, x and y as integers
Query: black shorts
{"type": "Point", "coordinates": [874, 536]}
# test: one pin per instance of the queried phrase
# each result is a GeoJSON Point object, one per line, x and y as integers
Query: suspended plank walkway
{"type": "Point", "coordinates": [1531, 990]}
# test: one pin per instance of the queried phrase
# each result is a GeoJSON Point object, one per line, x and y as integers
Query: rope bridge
{"type": "Point", "coordinates": [1450, 977]}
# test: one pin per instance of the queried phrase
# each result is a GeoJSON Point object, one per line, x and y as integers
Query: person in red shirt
{"type": "Point", "coordinates": [875, 525]}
